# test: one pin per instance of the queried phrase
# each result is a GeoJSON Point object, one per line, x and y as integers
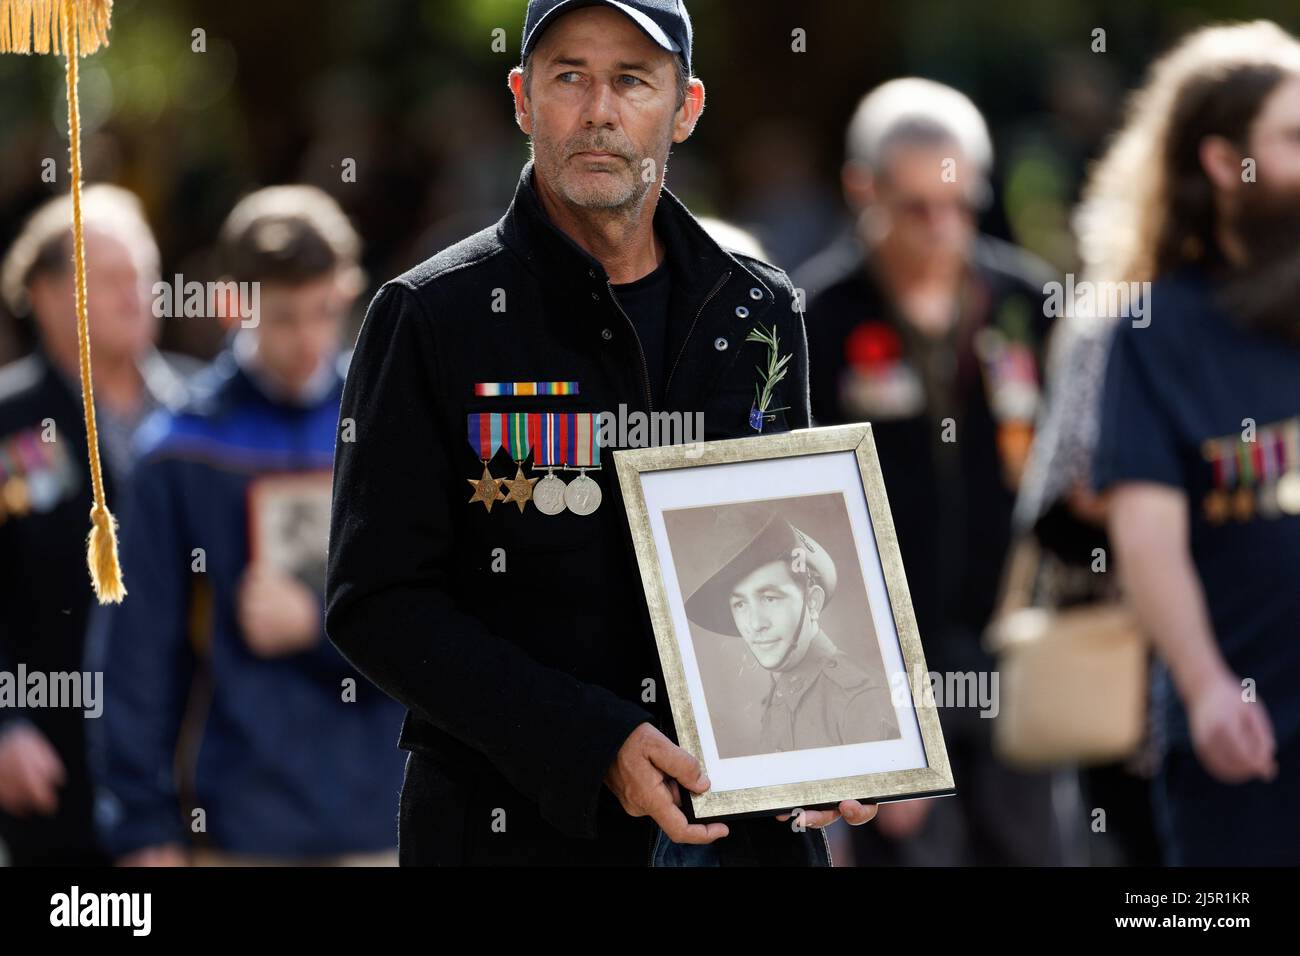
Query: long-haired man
{"type": "Point", "coordinates": [1199, 437]}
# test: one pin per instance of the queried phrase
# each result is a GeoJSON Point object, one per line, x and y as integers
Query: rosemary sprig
{"type": "Point", "coordinates": [775, 371]}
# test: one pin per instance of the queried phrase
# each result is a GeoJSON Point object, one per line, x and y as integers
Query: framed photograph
{"type": "Point", "coordinates": [783, 621]}
{"type": "Point", "coordinates": [289, 524]}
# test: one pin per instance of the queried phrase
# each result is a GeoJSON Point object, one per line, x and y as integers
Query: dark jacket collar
{"type": "Point", "coordinates": [698, 262]}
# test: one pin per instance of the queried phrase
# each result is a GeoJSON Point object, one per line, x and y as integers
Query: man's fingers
{"type": "Point", "coordinates": [676, 792]}
{"type": "Point", "coordinates": [816, 819]}
{"type": "Point", "coordinates": [856, 813]}
{"type": "Point", "coordinates": [1224, 754]}
{"type": "Point", "coordinates": [51, 767]}
{"type": "Point", "coordinates": [1261, 747]}
{"type": "Point", "coordinates": [673, 822]}
{"type": "Point", "coordinates": [13, 798]}
{"type": "Point", "coordinates": [679, 765]}
{"type": "Point", "coordinates": [813, 819]}
{"type": "Point", "coordinates": [41, 795]}
{"type": "Point", "coordinates": [1241, 744]}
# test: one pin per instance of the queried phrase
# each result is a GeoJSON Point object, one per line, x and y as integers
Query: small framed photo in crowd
{"type": "Point", "coordinates": [289, 524]}
{"type": "Point", "coordinates": [783, 622]}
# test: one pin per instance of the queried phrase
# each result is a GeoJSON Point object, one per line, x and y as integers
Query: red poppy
{"type": "Point", "coordinates": [872, 344]}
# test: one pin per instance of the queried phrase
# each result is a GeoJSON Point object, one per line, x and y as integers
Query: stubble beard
{"type": "Point", "coordinates": [622, 190]}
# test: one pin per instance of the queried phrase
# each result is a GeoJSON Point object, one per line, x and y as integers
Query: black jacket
{"type": "Point", "coordinates": [523, 684]}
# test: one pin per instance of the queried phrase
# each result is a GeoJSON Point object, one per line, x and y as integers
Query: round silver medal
{"type": "Point", "coordinates": [1288, 492]}
{"type": "Point", "coordinates": [549, 496]}
{"type": "Point", "coordinates": [43, 490]}
{"type": "Point", "coordinates": [582, 495]}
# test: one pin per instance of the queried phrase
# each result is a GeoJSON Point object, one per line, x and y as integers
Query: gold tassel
{"type": "Point", "coordinates": [35, 26]}
{"type": "Point", "coordinates": [28, 26]}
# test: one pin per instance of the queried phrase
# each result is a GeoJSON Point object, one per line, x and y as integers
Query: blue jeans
{"type": "Point", "coordinates": [668, 853]}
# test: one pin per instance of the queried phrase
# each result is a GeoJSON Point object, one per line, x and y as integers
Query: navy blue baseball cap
{"type": "Point", "coordinates": [664, 21]}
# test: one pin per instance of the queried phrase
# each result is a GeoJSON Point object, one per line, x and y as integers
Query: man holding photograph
{"type": "Point", "coordinates": [518, 638]}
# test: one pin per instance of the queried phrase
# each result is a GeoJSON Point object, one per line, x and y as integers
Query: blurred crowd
{"type": "Point", "coordinates": [1091, 452]}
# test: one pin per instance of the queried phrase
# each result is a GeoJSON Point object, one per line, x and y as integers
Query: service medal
{"type": "Point", "coordinates": [548, 431]}
{"type": "Point", "coordinates": [519, 437]}
{"type": "Point", "coordinates": [485, 431]}
{"type": "Point", "coordinates": [583, 495]}
{"type": "Point", "coordinates": [1288, 493]}
{"type": "Point", "coordinates": [1243, 503]}
{"type": "Point", "coordinates": [1216, 506]}
{"type": "Point", "coordinates": [548, 495]}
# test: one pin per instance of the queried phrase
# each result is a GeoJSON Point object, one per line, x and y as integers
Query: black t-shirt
{"type": "Point", "coordinates": [646, 303]}
{"type": "Point", "coordinates": [1197, 402]}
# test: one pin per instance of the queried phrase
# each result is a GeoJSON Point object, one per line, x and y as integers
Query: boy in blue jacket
{"type": "Point", "coordinates": [223, 552]}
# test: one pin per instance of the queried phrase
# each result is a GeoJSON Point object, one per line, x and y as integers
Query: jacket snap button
{"type": "Point", "coordinates": [756, 294]}
{"type": "Point", "coordinates": [742, 312]}
{"type": "Point", "coordinates": [606, 334]}
{"type": "Point", "coordinates": [720, 344]}
{"type": "Point", "coordinates": [592, 273]}
{"type": "Point", "coordinates": [595, 297]}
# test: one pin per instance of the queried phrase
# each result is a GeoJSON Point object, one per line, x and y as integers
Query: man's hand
{"type": "Point", "coordinates": [645, 777]}
{"type": "Point", "coordinates": [1233, 737]}
{"type": "Point", "coordinates": [854, 812]}
{"type": "Point", "coordinates": [278, 615]}
{"type": "Point", "coordinates": [30, 772]}
{"type": "Point", "coordinates": [169, 854]}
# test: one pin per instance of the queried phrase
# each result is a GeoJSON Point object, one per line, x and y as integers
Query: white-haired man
{"type": "Point", "coordinates": [45, 791]}
{"type": "Point", "coordinates": [933, 333]}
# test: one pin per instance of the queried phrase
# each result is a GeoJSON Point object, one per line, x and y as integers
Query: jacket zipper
{"type": "Point", "coordinates": [830, 860]}
{"type": "Point", "coordinates": [682, 351]}
{"type": "Point", "coordinates": [640, 351]}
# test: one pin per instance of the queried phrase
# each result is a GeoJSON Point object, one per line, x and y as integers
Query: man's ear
{"type": "Point", "coordinates": [515, 80]}
{"type": "Point", "coordinates": [689, 114]}
{"type": "Point", "coordinates": [816, 599]}
{"type": "Point", "coordinates": [43, 294]}
{"type": "Point", "coordinates": [859, 185]}
{"type": "Point", "coordinates": [1221, 161]}
{"type": "Point", "coordinates": [230, 303]}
